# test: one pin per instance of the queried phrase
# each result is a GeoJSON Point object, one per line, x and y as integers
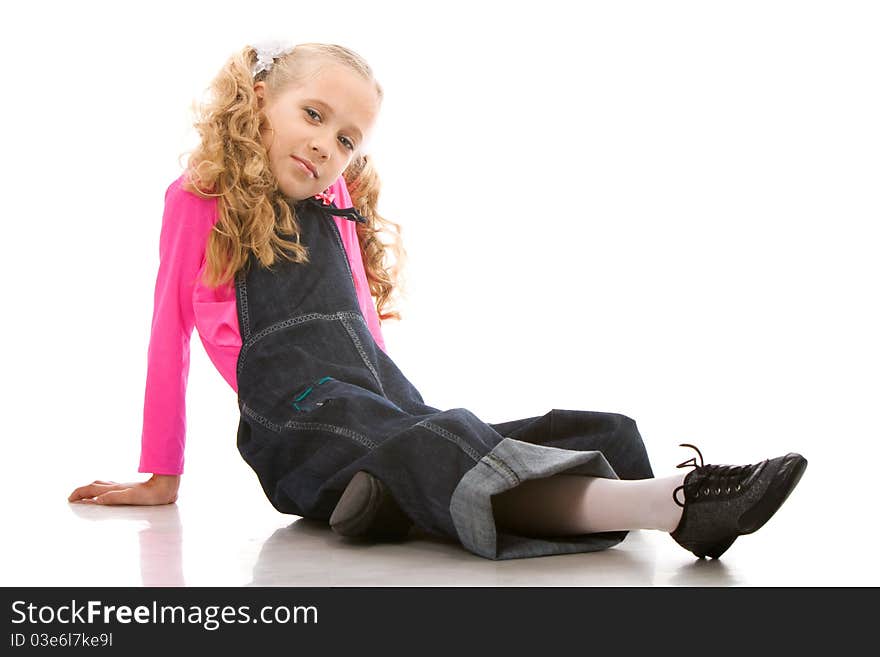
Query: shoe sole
{"type": "Point", "coordinates": [787, 477]}
{"type": "Point", "coordinates": [367, 510]}
{"type": "Point", "coordinates": [355, 509]}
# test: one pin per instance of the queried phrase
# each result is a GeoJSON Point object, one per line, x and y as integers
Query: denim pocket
{"type": "Point", "coordinates": [348, 399]}
{"type": "Point", "coordinates": [313, 395]}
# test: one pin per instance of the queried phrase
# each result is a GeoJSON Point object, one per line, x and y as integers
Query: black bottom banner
{"type": "Point", "coordinates": [400, 620]}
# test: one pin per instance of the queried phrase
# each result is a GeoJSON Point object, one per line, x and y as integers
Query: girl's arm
{"type": "Point", "coordinates": [186, 223]}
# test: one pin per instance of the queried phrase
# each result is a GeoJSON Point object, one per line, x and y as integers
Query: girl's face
{"type": "Point", "coordinates": [315, 129]}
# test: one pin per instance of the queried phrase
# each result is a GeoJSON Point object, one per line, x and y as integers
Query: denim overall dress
{"type": "Point", "coordinates": [320, 400]}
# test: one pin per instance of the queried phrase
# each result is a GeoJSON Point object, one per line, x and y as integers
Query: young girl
{"type": "Point", "coordinates": [269, 247]}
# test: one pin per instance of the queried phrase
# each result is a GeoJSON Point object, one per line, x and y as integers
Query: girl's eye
{"type": "Point", "coordinates": [348, 142]}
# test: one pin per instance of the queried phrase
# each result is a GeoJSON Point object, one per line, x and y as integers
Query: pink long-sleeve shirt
{"type": "Point", "coordinates": [181, 302]}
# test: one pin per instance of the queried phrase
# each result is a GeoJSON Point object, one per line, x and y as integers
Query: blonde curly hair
{"type": "Point", "coordinates": [231, 164]}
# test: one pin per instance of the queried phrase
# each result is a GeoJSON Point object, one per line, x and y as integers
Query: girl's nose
{"type": "Point", "coordinates": [320, 147]}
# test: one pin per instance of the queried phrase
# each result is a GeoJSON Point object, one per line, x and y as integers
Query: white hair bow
{"type": "Point", "coordinates": [268, 51]}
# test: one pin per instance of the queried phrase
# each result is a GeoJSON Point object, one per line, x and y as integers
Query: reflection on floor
{"type": "Point", "coordinates": [197, 542]}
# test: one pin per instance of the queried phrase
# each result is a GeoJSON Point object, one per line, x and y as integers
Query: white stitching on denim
{"type": "Point", "coordinates": [359, 347]}
{"type": "Point", "coordinates": [294, 424]}
{"type": "Point", "coordinates": [242, 287]}
{"type": "Point", "coordinates": [290, 321]}
{"type": "Point", "coordinates": [467, 449]}
{"type": "Point", "coordinates": [247, 410]}
{"type": "Point", "coordinates": [503, 468]}
{"type": "Point", "coordinates": [343, 431]}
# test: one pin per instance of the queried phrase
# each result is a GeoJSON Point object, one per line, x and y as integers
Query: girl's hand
{"type": "Point", "coordinates": [158, 489]}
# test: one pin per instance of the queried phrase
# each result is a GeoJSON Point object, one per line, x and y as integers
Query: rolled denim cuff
{"type": "Point", "coordinates": [509, 464]}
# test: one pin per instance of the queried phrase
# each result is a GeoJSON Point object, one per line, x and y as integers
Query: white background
{"type": "Point", "coordinates": [662, 209]}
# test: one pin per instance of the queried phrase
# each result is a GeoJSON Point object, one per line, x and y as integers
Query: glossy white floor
{"type": "Point", "coordinates": [204, 541]}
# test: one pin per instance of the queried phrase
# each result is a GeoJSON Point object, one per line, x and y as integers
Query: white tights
{"type": "Point", "coordinates": [573, 504]}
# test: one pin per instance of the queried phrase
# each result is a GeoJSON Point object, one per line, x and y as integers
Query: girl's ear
{"type": "Point", "coordinates": [260, 90]}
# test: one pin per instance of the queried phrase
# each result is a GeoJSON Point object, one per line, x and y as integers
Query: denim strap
{"type": "Point", "coordinates": [332, 211]}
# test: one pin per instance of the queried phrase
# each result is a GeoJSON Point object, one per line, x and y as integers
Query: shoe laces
{"type": "Point", "coordinates": [714, 480]}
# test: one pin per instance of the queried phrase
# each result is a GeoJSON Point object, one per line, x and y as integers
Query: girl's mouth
{"type": "Point", "coordinates": [304, 166]}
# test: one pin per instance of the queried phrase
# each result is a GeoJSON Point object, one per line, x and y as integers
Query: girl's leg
{"type": "Point", "coordinates": [721, 502]}
{"type": "Point", "coordinates": [565, 504]}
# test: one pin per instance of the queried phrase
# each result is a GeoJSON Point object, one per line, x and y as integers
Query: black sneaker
{"type": "Point", "coordinates": [367, 510]}
{"type": "Point", "coordinates": [722, 502]}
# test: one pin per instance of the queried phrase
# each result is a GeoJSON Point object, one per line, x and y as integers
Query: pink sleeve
{"type": "Point", "coordinates": [186, 224]}
{"type": "Point", "coordinates": [352, 246]}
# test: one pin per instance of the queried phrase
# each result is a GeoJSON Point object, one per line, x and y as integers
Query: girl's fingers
{"type": "Point", "coordinates": [79, 493]}
{"type": "Point", "coordinates": [90, 490]}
